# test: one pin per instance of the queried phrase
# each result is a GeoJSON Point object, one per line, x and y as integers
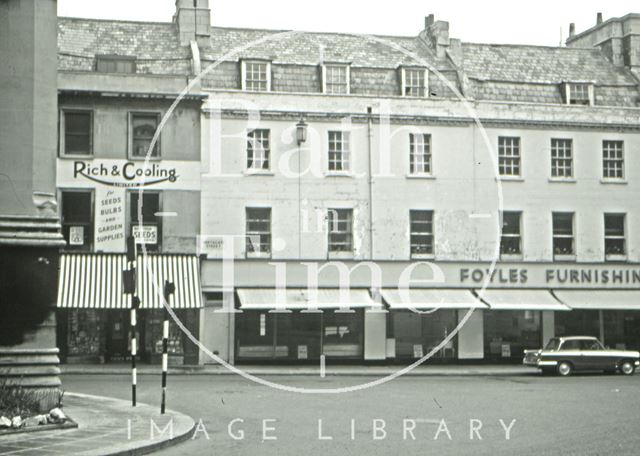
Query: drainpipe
{"type": "Point", "coordinates": [370, 172]}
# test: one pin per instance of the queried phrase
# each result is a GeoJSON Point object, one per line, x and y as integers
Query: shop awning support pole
{"type": "Point", "coordinates": [169, 289]}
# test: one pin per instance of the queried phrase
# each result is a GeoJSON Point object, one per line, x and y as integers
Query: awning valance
{"type": "Point", "coordinates": [423, 299]}
{"type": "Point", "coordinates": [520, 299]}
{"type": "Point", "coordinates": [303, 299]}
{"type": "Point", "coordinates": [600, 299]}
{"type": "Point", "coordinates": [94, 281]}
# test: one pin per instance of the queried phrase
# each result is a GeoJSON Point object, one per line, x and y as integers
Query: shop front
{"type": "Point", "coordinates": [444, 311]}
{"type": "Point", "coordinates": [94, 315]}
{"type": "Point", "coordinates": [611, 315]}
{"type": "Point", "coordinates": [420, 322]}
{"type": "Point", "coordinates": [296, 325]}
{"type": "Point", "coordinates": [515, 321]}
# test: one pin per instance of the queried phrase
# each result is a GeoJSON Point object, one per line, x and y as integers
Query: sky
{"type": "Point", "coordinates": [541, 22]}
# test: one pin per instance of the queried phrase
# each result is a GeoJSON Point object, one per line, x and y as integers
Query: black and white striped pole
{"type": "Point", "coordinates": [129, 285]}
{"type": "Point", "coordinates": [169, 289]}
{"type": "Point", "coordinates": [135, 304]}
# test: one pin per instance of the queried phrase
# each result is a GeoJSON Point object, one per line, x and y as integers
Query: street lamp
{"type": "Point", "coordinates": [301, 131]}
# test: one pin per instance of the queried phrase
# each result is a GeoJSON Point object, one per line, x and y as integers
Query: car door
{"type": "Point", "coordinates": [571, 350]}
{"type": "Point", "coordinates": [595, 356]}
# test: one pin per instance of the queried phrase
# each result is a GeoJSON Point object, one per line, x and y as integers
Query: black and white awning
{"type": "Point", "coordinates": [94, 281]}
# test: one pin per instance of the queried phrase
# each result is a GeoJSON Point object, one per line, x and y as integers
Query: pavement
{"type": "Point", "coordinates": [106, 426]}
{"type": "Point", "coordinates": [425, 369]}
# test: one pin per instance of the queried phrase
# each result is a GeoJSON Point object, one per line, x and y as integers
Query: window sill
{"type": "Point", "coordinates": [341, 255]}
{"type": "Point", "coordinates": [564, 258]}
{"type": "Point", "coordinates": [420, 176]}
{"type": "Point", "coordinates": [258, 172]}
{"type": "Point", "coordinates": [257, 256]}
{"type": "Point", "coordinates": [613, 181]}
{"type": "Point", "coordinates": [511, 257]}
{"type": "Point", "coordinates": [338, 174]}
{"type": "Point", "coordinates": [562, 180]}
{"type": "Point", "coordinates": [89, 156]}
{"type": "Point", "coordinates": [616, 258]}
{"type": "Point", "coordinates": [510, 179]}
{"type": "Point", "coordinates": [140, 159]}
{"type": "Point", "coordinates": [423, 256]}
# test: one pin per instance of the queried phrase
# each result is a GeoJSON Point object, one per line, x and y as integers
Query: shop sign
{"type": "Point", "coordinates": [506, 350]}
{"type": "Point", "coordinates": [109, 220]}
{"type": "Point", "coordinates": [145, 234]}
{"type": "Point", "coordinates": [302, 352]}
{"type": "Point", "coordinates": [417, 351]}
{"type": "Point", "coordinates": [76, 235]}
{"type": "Point", "coordinates": [165, 174]}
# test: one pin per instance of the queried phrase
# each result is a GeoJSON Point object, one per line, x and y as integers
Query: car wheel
{"type": "Point", "coordinates": [565, 368]}
{"type": "Point", "coordinates": [627, 368]}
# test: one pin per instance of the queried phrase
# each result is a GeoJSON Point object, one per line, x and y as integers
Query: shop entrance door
{"type": "Point", "coordinates": [117, 336]}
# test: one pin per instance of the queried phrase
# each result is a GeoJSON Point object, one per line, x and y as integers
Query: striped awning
{"type": "Point", "coordinates": [94, 281]}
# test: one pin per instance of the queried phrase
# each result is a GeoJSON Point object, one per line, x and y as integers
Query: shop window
{"type": "Point", "coordinates": [613, 159]}
{"type": "Point", "coordinates": [339, 157]}
{"type": "Point", "coordinates": [509, 156]}
{"type": "Point", "coordinates": [335, 79]}
{"type": "Point", "coordinates": [417, 334]}
{"type": "Point", "coordinates": [143, 127]}
{"type": "Point", "coordinates": [77, 219]}
{"type": "Point", "coordinates": [562, 158]}
{"type": "Point", "coordinates": [507, 333]}
{"type": "Point", "coordinates": [258, 150]}
{"type": "Point", "coordinates": [511, 239]}
{"type": "Point", "coordinates": [614, 236]}
{"type": "Point", "coordinates": [256, 76]}
{"type": "Point", "coordinates": [421, 232]}
{"type": "Point", "coordinates": [419, 154]}
{"type": "Point", "coordinates": [340, 230]}
{"type": "Point", "coordinates": [414, 82]}
{"type": "Point", "coordinates": [258, 234]}
{"type": "Point", "coordinates": [115, 64]}
{"type": "Point", "coordinates": [148, 229]}
{"type": "Point", "coordinates": [342, 334]}
{"type": "Point", "coordinates": [563, 236]}
{"type": "Point", "coordinates": [77, 128]}
{"type": "Point", "coordinates": [255, 336]}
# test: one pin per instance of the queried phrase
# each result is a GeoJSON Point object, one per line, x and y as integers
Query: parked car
{"type": "Point", "coordinates": [565, 355]}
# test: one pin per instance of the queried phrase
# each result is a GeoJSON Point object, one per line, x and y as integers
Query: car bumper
{"type": "Point", "coordinates": [637, 363]}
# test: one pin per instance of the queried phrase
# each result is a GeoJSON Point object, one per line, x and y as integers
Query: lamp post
{"type": "Point", "coordinates": [301, 137]}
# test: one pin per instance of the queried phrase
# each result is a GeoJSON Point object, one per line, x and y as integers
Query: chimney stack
{"type": "Point", "coordinates": [572, 29]}
{"type": "Point", "coordinates": [436, 35]}
{"type": "Point", "coordinates": [599, 19]}
{"type": "Point", "coordinates": [193, 19]}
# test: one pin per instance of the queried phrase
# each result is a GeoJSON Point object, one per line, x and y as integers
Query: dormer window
{"type": "Point", "coordinates": [579, 93]}
{"type": "Point", "coordinates": [414, 82]}
{"type": "Point", "coordinates": [115, 64]}
{"type": "Point", "coordinates": [256, 75]}
{"type": "Point", "coordinates": [335, 79]}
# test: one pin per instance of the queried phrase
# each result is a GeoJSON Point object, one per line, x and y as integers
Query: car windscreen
{"type": "Point", "coordinates": [552, 344]}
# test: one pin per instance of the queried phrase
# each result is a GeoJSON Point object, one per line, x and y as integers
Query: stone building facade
{"type": "Point", "coordinates": [377, 198]}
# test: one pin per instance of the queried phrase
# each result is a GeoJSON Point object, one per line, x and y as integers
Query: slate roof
{"type": "Point", "coordinates": [497, 71]}
{"type": "Point", "coordinates": [310, 48]}
{"type": "Point", "coordinates": [155, 45]}
{"type": "Point", "coordinates": [541, 64]}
